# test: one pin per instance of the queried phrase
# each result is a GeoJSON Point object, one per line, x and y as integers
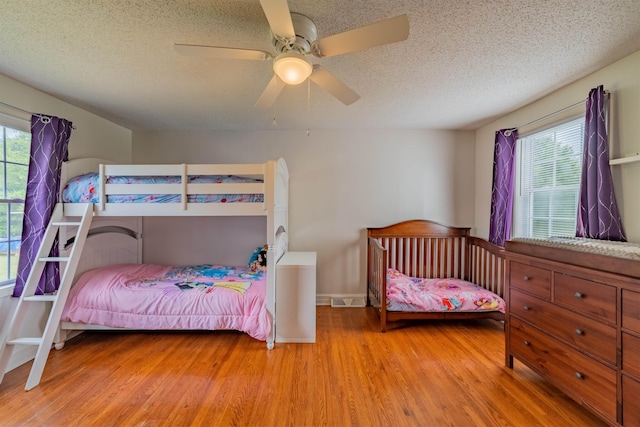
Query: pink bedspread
{"type": "Point", "coordinates": [151, 296]}
{"type": "Point", "coordinates": [406, 293]}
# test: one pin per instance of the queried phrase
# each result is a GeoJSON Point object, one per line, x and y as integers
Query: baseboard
{"type": "Point", "coordinates": [342, 300]}
{"type": "Point", "coordinates": [323, 299]}
{"type": "Point", "coordinates": [6, 291]}
{"type": "Point", "coordinates": [348, 302]}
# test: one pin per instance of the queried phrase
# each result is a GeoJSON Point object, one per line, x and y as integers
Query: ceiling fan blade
{"type": "Point", "coordinates": [270, 93]}
{"type": "Point", "coordinates": [333, 85]}
{"type": "Point", "coordinates": [279, 17]}
{"type": "Point", "coordinates": [221, 52]}
{"type": "Point", "coordinates": [384, 32]}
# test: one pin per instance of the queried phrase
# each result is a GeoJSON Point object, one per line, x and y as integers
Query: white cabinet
{"type": "Point", "coordinates": [296, 297]}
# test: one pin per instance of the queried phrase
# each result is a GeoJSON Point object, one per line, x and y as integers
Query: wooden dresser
{"type": "Point", "coordinates": [573, 317]}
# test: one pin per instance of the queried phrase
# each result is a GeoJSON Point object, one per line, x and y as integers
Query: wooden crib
{"type": "Point", "coordinates": [425, 249]}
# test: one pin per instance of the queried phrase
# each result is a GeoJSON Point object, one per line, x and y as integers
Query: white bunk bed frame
{"type": "Point", "coordinates": [274, 188]}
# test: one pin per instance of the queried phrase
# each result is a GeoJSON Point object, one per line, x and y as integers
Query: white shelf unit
{"type": "Point", "coordinates": [296, 298]}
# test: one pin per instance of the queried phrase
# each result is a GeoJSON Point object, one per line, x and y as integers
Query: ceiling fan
{"type": "Point", "coordinates": [295, 38]}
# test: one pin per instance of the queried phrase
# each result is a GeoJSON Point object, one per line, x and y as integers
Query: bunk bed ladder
{"type": "Point", "coordinates": [58, 298]}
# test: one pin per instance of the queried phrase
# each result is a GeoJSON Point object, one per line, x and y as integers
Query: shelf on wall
{"type": "Point", "coordinates": [628, 159]}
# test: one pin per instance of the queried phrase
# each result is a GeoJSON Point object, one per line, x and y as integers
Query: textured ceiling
{"type": "Point", "coordinates": [465, 62]}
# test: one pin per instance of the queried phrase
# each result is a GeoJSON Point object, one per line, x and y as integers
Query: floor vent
{"type": "Point", "coordinates": [348, 302]}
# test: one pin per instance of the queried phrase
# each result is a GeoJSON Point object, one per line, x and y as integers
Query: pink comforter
{"type": "Point", "coordinates": [151, 296]}
{"type": "Point", "coordinates": [405, 293]}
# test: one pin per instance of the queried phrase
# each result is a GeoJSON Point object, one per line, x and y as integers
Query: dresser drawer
{"type": "Point", "coordinates": [587, 334]}
{"type": "Point", "coordinates": [631, 355]}
{"type": "Point", "coordinates": [630, 401]}
{"type": "Point", "coordinates": [531, 279]}
{"type": "Point", "coordinates": [631, 310]}
{"type": "Point", "coordinates": [580, 376]}
{"type": "Point", "coordinates": [588, 297]}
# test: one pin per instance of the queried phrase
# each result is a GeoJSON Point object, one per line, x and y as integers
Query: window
{"type": "Point", "coordinates": [14, 166]}
{"type": "Point", "coordinates": [548, 169]}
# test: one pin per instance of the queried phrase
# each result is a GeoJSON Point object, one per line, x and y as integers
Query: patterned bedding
{"type": "Point", "coordinates": [405, 293]}
{"type": "Point", "coordinates": [150, 296]}
{"type": "Point", "coordinates": [84, 189]}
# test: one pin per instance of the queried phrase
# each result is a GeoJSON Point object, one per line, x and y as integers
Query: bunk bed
{"type": "Point", "coordinates": [123, 195]}
{"type": "Point", "coordinates": [420, 269]}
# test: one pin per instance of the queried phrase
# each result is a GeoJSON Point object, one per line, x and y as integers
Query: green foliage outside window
{"type": "Point", "coordinates": [14, 161]}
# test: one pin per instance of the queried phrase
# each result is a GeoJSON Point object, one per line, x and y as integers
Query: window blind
{"type": "Point", "coordinates": [548, 169]}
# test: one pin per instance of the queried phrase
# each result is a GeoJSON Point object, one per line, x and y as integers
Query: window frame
{"type": "Point", "coordinates": [518, 176]}
{"type": "Point", "coordinates": [23, 125]}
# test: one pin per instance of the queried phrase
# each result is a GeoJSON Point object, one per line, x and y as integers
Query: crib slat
{"type": "Point", "coordinates": [448, 262]}
{"type": "Point", "coordinates": [414, 258]}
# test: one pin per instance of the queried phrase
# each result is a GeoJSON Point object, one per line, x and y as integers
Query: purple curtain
{"type": "Point", "coordinates": [598, 216]}
{"type": "Point", "coordinates": [503, 184]}
{"type": "Point", "coordinates": [49, 148]}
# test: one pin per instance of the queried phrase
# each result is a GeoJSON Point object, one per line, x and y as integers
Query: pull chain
{"type": "Point", "coordinates": [308, 107]}
{"type": "Point", "coordinates": [275, 94]}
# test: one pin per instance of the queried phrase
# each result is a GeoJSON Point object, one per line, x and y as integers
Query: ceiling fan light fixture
{"type": "Point", "coordinates": [292, 68]}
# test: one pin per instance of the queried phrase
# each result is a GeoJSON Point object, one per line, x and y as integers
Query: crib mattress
{"type": "Point", "coordinates": [150, 296]}
{"type": "Point", "coordinates": [411, 294]}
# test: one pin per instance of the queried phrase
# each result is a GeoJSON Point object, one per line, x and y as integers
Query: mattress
{"type": "Point", "coordinates": [85, 189]}
{"type": "Point", "coordinates": [411, 294]}
{"type": "Point", "coordinates": [151, 296]}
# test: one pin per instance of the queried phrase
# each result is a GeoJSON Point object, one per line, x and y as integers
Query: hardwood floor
{"type": "Point", "coordinates": [438, 373]}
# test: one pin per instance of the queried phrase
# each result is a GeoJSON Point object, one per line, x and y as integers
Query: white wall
{"type": "Point", "coordinates": [92, 137]}
{"type": "Point", "coordinates": [340, 183]}
{"type": "Point", "coordinates": [622, 79]}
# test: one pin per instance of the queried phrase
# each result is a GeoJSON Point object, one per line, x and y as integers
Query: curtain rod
{"type": "Point", "coordinates": [25, 111]}
{"type": "Point", "coordinates": [508, 131]}
{"type": "Point", "coordinates": [16, 108]}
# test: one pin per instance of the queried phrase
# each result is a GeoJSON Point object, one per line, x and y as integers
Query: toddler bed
{"type": "Point", "coordinates": [117, 291]}
{"type": "Point", "coordinates": [420, 269]}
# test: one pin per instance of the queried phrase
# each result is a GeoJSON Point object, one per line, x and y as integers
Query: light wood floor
{"type": "Point", "coordinates": [428, 374]}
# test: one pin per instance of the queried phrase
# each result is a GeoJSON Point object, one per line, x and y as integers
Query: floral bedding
{"type": "Point", "coordinates": [150, 296]}
{"type": "Point", "coordinates": [84, 189]}
{"type": "Point", "coordinates": [405, 293]}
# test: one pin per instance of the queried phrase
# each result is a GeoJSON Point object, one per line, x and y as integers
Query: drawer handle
{"type": "Point", "coordinates": [579, 376]}
{"type": "Point", "coordinates": [579, 332]}
{"type": "Point", "coordinates": [527, 343]}
{"type": "Point", "coordinates": [579, 295]}
{"type": "Point", "coordinates": [525, 278]}
{"type": "Point", "coordinates": [526, 308]}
